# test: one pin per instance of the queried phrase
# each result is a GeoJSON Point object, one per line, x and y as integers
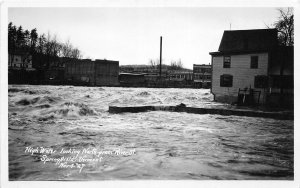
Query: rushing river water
{"type": "Point", "coordinates": [159, 145]}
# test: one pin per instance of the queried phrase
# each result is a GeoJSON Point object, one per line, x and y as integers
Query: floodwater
{"type": "Point", "coordinates": [159, 145]}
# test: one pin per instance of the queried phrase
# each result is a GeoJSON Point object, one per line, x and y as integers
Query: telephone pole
{"type": "Point", "coordinates": [160, 57]}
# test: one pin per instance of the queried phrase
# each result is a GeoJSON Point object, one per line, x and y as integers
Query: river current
{"type": "Point", "coordinates": [159, 144]}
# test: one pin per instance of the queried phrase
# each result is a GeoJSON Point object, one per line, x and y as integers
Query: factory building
{"type": "Point", "coordinates": [92, 73]}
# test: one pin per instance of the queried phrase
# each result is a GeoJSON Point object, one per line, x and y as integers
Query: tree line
{"type": "Point", "coordinates": [30, 43]}
{"type": "Point", "coordinates": [174, 65]}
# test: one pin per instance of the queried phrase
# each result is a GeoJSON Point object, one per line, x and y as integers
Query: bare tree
{"type": "Point", "coordinates": [179, 64]}
{"type": "Point", "coordinates": [41, 47]}
{"type": "Point", "coordinates": [153, 63]}
{"type": "Point", "coordinates": [75, 53]}
{"type": "Point", "coordinates": [285, 27]}
{"type": "Point", "coordinates": [67, 49]}
{"type": "Point", "coordinates": [56, 46]}
{"type": "Point", "coordinates": [176, 65]}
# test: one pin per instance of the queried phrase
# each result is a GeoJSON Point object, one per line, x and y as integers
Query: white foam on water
{"type": "Point", "coordinates": [168, 145]}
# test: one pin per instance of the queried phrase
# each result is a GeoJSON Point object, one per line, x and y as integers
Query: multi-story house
{"type": "Point", "coordinates": [250, 67]}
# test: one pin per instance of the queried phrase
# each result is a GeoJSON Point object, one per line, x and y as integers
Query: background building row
{"type": "Point", "coordinates": [103, 73]}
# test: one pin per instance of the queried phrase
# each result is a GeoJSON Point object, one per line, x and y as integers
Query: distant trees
{"type": "Point", "coordinates": [30, 43]}
{"type": "Point", "coordinates": [176, 65]}
{"type": "Point", "coordinates": [33, 40]}
{"type": "Point", "coordinates": [12, 40]}
{"type": "Point", "coordinates": [67, 50]}
{"type": "Point", "coordinates": [154, 63]}
{"type": "Point", "coordinates": [285, 27]}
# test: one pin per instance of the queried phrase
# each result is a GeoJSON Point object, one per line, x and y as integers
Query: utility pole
{"type": "Point", "coordinates": [160, 57]}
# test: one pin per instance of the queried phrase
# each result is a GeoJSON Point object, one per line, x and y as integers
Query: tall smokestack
{"type": "Point", "coordinates": [160, 57]}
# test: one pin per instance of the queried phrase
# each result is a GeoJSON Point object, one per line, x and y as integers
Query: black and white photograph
{"type": "Point", "coordinates": [149, 93]}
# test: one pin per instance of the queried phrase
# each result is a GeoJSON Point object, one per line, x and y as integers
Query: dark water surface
{"type": "Point", "coordinates": [167, 145]}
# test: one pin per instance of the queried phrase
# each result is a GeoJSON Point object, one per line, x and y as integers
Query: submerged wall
{"type": "Point", "coordinates": [219, 111]}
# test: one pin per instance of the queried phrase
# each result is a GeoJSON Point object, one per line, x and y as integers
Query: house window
{"type": "Point", "coordinates": [227, 61]}
{"type": "Point", "coordinates": [261, 81]}
{"type": "Point", "coordinates": [15, 65]}
{"type": "Point", "coordinates": [16, 59]}
{"type": "Point", "coordinates": [254, 62]}
{"type": "Point", "coordinates": [226, 80]}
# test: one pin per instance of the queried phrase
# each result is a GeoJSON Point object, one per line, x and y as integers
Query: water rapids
{"type": "Point", "coordinates": [167, 145]}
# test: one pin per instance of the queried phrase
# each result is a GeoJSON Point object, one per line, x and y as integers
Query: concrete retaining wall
{"type": "Point", "coordinates": [225, 112]}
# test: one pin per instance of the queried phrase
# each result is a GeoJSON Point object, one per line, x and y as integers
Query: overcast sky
{"type": "Point", "coordinates": [131, 35]}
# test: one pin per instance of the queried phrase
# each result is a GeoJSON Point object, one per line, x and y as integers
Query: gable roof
{"type": "Point", "coordinates": [248, 40]}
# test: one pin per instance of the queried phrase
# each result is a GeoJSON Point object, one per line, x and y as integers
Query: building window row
{"type": "Point", "coordinates": [260, 81]}
{"type": "Point", "coordinates": [21, 65]}
{"type": "Point", "coordinates": [253, 62]}
{"type": "Point", "coordinates": [201, 70]}
{"type": "Point", "coordinates": [180, 76]}
{"type": "Point", "coordinates": [206, 77]}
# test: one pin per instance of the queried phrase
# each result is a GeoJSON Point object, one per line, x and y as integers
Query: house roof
{"type": "Point", "coordinates": [238, 52]}
{"type": "Point", "coordinates": [248, 40]}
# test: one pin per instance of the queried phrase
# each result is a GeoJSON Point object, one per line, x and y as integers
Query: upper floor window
{"type": "Point", "coordinates": [227, 62]}
{"type": "Point", "coordinates": [254, 62]}
{"type": "Point", "coordinates": [226, 80]}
